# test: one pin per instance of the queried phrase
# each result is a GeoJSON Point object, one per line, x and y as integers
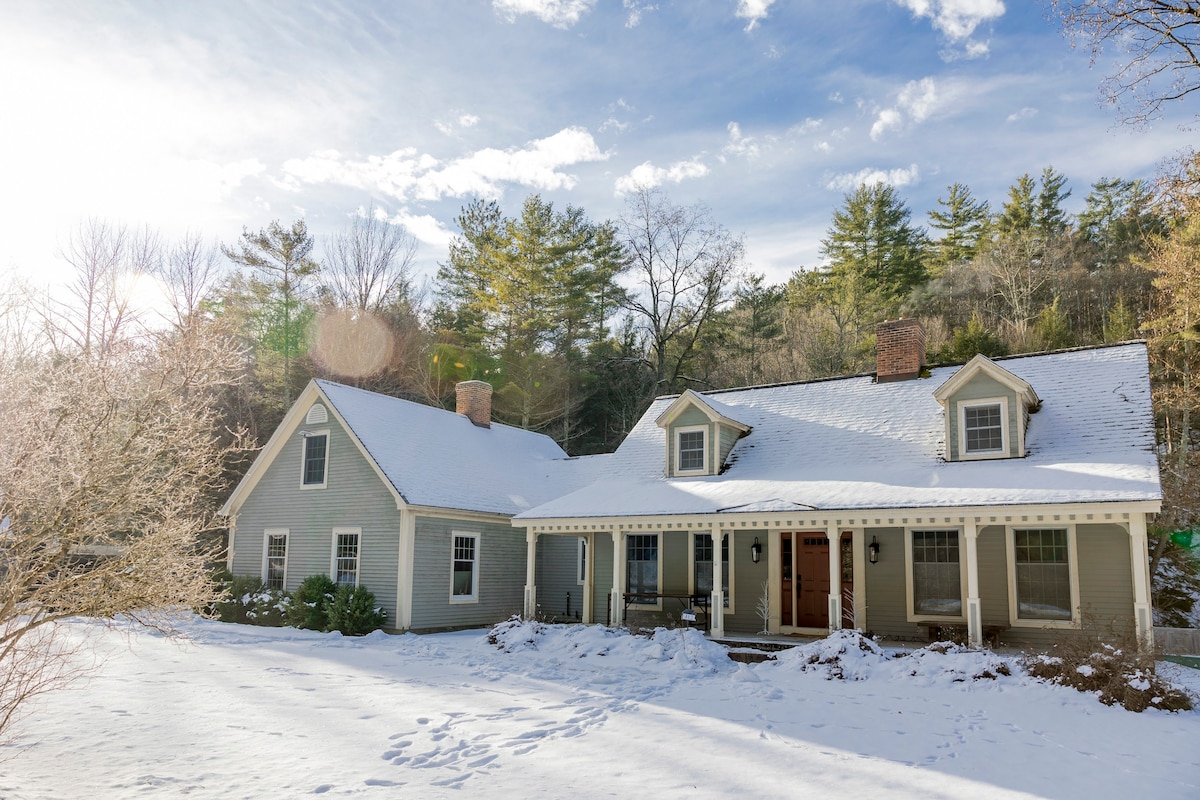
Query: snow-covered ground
{"type": "Point", "coordinates": [576, 712]}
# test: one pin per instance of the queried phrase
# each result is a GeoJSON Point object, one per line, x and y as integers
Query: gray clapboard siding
{"type": "Point", "coordinates": [887, 613]}
{"type": "Point", "coordinates": [501, 588]}
{"type": "Point", "coordinates": [354, 496]}
{"type": "Point", "coordinates": [993, 575]}
{"type": "Point", "coordinates": [747, 582]}
{"type": "Point", "coordinates": [557, 577]}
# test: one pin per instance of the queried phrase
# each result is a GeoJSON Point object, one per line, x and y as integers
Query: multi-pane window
{"type": "Point", "coordinates": [464, 567]}
{"type": "Point", "coordinates": [276, 560]}
{"type": "Point", "coordinates": [691, 451]}
{"type": "Point", "coordinates": [1043, 574]}
{"type": "Point", "coordinates": [937, 579]}
{"type": "Point", "coordinates": [983, 428]}
{"type": "Point", "coordinates": [345, 558]}
{"type": "Point", "coordinates": [315, 447]}
{"type": "Point", "coordinates": [642, 563]}
{"type": "Point", "coordinates": [703, 568]}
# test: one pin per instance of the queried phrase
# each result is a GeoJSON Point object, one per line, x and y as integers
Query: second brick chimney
{"type": "Point", "coordinates": [899, 350]}
{"type": "Point", "coordinates": [473, 399]}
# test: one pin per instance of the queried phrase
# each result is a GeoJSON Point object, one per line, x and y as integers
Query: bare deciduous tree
{"type": "Point", "coordinates": [1161, 38]}
{"type": "Point", "coordinates": [106, 259]}
{"type": "Point", "coordinates": [684, 265]}
{"type": "Point", "coordinates": [368, 266]}
{"type": "Point", "coordinates": [191, 271]}
{"type": "Point", "coordinates": [107, 464]}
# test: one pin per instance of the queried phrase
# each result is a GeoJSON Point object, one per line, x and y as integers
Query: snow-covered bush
{"type": "Point", "coordinates": [844, 655]}
{"type": "Point", "coordinates": [353, 611]}
{"type": "Point", "coordinates": [1118, 675]}
{"type": "Point", "coordinates": [249, 601]}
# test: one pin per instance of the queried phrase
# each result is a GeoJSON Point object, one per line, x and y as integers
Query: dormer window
{"type": "Point", "coordinates": [700, 433]}
{"type": "Point", "coordinates": [987, 411]}
{"type": "Point", "coordinates": [690, 450]}
{"type": "Point", "coordinates": [983, 429]}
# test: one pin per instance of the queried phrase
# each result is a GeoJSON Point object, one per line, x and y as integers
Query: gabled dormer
{"type": "Point", "coordinates": [700, 433]}
{"type": "Point", "coordinates": [987, 411]}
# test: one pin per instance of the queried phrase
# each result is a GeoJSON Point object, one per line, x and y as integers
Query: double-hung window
{"type": "Point", "coordinates": [690, 450]}
{"type": "Point", "coordinates": [1042, 573]}
{"type": "Point", "coordinates": [345, 555]}
{"type": "Point", "coordinates": [316, 455]}
{"type": "Point", "coordinates": [982, 430]}
{"type": "Point", "coordinates": [641, 573]}
{"type": "Point", "coordinates": [936, 574]}
{"type": "Point", "coordinates": [464, 567]}
{"type": "Point", "coordinates": [702, 569]}
{"type": "Point", "coordinates": [275, 559]}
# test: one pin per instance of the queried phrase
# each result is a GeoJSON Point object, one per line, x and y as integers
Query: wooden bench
{"type": "Point", "coordinates": [686, 601]}
{"type": "Point", "coordinates": [957, 632]}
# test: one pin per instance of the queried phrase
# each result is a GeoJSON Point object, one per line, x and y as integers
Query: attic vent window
{"type": "Point", "coordinates": [984, 428]}
{"type": "Point", "coordinates": [316, 415]}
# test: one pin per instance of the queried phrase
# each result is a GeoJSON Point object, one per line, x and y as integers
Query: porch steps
{"type": "Point", "coordinates": [756, 650]}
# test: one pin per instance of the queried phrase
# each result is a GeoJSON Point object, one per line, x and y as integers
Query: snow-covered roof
{"type": "Point", "coordinates": [852, 443]}
{"type": "Point", "coordinates": [434, 457]}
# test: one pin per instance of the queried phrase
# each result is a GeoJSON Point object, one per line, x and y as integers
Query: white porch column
{"type": "Point", "coordinates": [616, 607]}
{"type": "Point", "coordinates": [974, 618]}
{"type": "Point", "coordinates": [1139, 559]}
{"type": "Point", "coordinates": [774, 572]}
{"type": "Point", "coordinates": [589, 569]}
{"type": "Point", "coordinates": [530, 574]}
{"type": "Point", "coordinates": [834, 534]}
{"type": "Point", "coordinates": [860, 578]}
{"type": "Point", "coordinates": [716, 604]}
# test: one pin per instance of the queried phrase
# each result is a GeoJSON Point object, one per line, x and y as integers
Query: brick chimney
{"type": "Point", "coordinates": [473, 399]}
{"type": "Point", "coordinates": [899, 350]}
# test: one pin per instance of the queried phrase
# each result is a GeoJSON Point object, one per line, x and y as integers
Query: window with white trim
{"type": "Point", "coordinates": [464, 567]}
{"type": "Point", "coordinates": [641, 572]}
{"type": "Point", "coordinates": [1042, 573]}
{"type": "Point", "coordinates": [275, 558]}
{"type": "Point", "coordinates": [690, 449]}
{"type": "Point", "coordinates": [936, 574]}
{"type": "Point", "coordinates": [582, 577]}
{"type": "Point", "coordinates": [983, 428]}
{"type": "Point", "coordinates": [316, 457]}
{"type": "Point", "coordinates": [702, 564]}
{"type": "Point", "coordinates": [345, 556]}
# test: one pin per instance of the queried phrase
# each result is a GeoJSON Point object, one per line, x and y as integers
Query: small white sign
{"type": "Point", "coordinates": [688, 615]}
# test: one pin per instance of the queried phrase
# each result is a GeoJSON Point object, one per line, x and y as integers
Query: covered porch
{"type": "Point", "coordinates": [814, 573]}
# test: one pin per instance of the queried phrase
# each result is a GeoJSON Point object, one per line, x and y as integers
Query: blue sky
{"type": "Point", "coordinates": [210, 116]}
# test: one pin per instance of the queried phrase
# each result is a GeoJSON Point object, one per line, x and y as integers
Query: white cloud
{"type": "Point", "coordinates": [807, 126]}
{"type": "Point", "coordinates": [836, 97]}
{"type": "Point", "coordinates": [958, 19]}
{"type": "Point", "coordinates": [636, 9]}
{"type": "Point", "coordinates": [462, 121]}
{"type": "Point", "coordinates": [647, 176]}
{"type": "Point", "coordinates": [559, 13]}
{"type": "Point", "coordinates": [914, 103]}
{"type": "Point", "coordinates": [427, 229]}
{"type": "Point", "coordinates": [753, 10]}
{"type": "Point", "coordinates": [738, 144]}
{"type": "Point", "coordinates": [404, 175]}
{"type": "Point", "coordinates": [1024, 113]}
{"type": "Point", "coordinates": [849, 181]}
{"type": "Point", "coordinates": [613, 124]}
{"type": "Point", "coordinates": [823, 147]}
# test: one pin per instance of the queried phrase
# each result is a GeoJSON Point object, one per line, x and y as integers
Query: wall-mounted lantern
{"type": "Point", "coordinates": [873, 550]}
{"type": "Point", "coordinates": [755, 550]}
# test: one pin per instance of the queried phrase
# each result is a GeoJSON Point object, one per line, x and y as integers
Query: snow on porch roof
{"type": "Point", "coordinates": [851, 443]}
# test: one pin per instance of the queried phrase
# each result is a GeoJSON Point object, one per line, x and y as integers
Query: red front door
{"type": "Point", "coordinates": [812, 581]}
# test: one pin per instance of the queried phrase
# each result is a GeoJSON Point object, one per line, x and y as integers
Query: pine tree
{"type": "Point", "coordinates": [282, 264]}
{"type": "Point", "coordinates": [964, 222]}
